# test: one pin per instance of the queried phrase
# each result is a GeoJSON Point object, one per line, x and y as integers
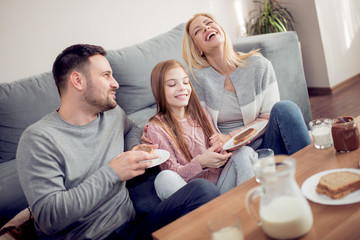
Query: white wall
{"type": "Point", "coordinates": [340, 34]}
{"type": "Point", "coordinates": [308, 31]}
{"type": "Point", "coordinates": [329, 32]}
{"type": "Point", "coordinates": [33, 33]}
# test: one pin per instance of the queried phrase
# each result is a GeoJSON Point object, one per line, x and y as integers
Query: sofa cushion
{"type": "Point", "coordinates": [132, 67]}
{"type": "Point", "coordinates": [142, 116]}
{"type": "Point", "coordinates": [283, 51]}
{"type": "Point", "coordinates": [12, 198]}
{"type": "Point", "coordinates": [24, 102]}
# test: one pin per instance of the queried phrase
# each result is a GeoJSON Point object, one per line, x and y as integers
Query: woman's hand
{"type": "Point", "coordinates": [144, 139]}
{"type": "Point", "coordinates": [219, 138]}
{"type": "Point", "coordinates": [211, 158]}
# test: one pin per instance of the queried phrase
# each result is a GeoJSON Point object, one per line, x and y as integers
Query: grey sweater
{"type": "Point", "coordinates": [255, 85]}
{"type": "Point", "coordinates": [66, 178]}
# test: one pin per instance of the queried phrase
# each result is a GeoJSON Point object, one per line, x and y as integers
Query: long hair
{"type": "Point", "coordinates": [193, 58]}
{"type": "Point", "coordinates": [195, 112]}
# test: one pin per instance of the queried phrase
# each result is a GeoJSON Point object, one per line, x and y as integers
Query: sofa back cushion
{"type": "Point", "coordinates": [24, 102]}
{"type": "Point", "coordinates": [132, 67]}
{"type": "Point", "coordinates": [283, 51]}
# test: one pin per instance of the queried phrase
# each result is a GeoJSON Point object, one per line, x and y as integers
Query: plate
{"type": "Point", "coordinates": [163, 156]}
{"type": "Point", "coordinates": [309, 189]}
{"type": "Point", "coordinates": [258, 126]}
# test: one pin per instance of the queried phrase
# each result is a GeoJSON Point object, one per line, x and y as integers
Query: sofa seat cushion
{"type": "Point", "coordinates": [12, 198]}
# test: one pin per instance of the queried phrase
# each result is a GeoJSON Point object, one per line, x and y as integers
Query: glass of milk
{"type": "Point", "coordinates": [321, 133]}
{"type": "Point", "coordinates": [225, 226]}
{"type": "Point", "coordinates": [263, 163]}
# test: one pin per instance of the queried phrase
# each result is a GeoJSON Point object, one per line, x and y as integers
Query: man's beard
{"type": "Point", "coordinates": [93, 99]}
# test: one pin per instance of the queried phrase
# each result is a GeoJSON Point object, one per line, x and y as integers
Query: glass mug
{"type": "Point", "coordinates": [345, 134]}
{"type": "Point", "coordinates": [284, 213]}
{"type": "Point", "coordinates": [321, 131]}
{"type": "Point", "coordinates": [226, 226]}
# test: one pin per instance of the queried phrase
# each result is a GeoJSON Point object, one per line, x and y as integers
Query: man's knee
{"type": "Point", "coordinates": [204, 188]}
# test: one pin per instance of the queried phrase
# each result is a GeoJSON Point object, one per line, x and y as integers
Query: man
{"type": "Point", "coordinates": [73, 164]}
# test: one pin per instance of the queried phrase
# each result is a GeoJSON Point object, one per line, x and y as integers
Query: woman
{"type": "Point", "coordinates": [182, 127]}
{"type": "Point", "coordinates": [240, 89]}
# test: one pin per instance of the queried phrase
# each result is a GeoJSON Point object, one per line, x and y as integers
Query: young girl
{"type": "Point", "coordinates": [182, 127]}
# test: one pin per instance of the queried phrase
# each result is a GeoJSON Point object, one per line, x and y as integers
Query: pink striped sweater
{"type": "Point", "coordinates": [197, 143]}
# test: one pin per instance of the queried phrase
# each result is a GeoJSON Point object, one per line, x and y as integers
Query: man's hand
{"type": "Point", "coordinates": [144, 139]}
{"type": "Point", "coordinates": [130, 164]}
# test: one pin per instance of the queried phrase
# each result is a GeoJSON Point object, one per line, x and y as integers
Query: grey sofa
{"type": "Point", "coordinates": [25, 101]}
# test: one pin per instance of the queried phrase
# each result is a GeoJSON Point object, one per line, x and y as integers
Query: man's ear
{"type": "Point", "coordinates": [77, 80]}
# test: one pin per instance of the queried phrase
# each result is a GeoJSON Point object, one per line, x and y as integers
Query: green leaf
{"type": "Point", "coordinates": [269, 16]}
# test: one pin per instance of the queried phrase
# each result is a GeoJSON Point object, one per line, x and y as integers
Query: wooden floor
{"type": "Point", "coordinates": [345, 101]}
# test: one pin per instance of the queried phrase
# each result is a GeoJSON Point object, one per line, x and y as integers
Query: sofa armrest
{"type": "Point", "coordinates": [283, 50]}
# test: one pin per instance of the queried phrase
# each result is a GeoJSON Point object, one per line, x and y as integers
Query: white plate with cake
{"type": "Point", "coordinates": [333, 187]}
{"type": "Point", "coordinates": [163, 156]}
{"type": "Point", "coordinates": [245, 135]}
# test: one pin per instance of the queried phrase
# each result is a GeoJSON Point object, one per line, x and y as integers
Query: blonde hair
{"type": "Point", "coordinates": [193, 58]}
{"type": "Point", "coordinates": [165, 117]}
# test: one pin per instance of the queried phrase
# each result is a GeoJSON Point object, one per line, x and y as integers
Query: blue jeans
{"type": "Point", "coordinates": [191, 196]}
{"type": "Point", "coordinates": [286, 132]}
{"type": "Point", "coordinates": [237, 170]}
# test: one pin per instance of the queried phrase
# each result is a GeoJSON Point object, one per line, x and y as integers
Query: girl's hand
{"type": "Point", "coordinates": [212, 159]}
{"type": "Point", "coordinates": [219, 138]}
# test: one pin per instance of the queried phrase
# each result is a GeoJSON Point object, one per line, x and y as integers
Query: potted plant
{"type": "Point", "coordinates": [269, 17]}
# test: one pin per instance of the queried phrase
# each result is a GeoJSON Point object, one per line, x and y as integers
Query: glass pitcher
{"type": "Point", "coordinates": [284, 213]}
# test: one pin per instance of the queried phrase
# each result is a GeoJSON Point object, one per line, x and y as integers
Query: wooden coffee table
{"type": "Point", "coordinates": [330, 221]}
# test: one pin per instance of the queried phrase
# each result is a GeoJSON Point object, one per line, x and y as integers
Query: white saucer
{"type": "Point", "coordinates": [163, 156]}
{"type": "Point", "coordinates": [258, 126]}
{"type": "Point", "coordinates": [309, 189]}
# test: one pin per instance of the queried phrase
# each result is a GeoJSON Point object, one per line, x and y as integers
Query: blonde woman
{"type": "Point", "coordinates": [240, 89]}
{"type": "Point", "coordinates": [182, 127]}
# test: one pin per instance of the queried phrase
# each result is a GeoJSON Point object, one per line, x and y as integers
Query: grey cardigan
{"type": "Point", "coordinates": [255, 85]}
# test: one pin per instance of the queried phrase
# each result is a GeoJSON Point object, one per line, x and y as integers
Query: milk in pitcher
{"type": "Point", "coordinates": [284, 218]}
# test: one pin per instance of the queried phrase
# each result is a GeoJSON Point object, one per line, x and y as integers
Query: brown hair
{"type": "Point", "coordinates": [193, 58]}
{"type": "Point", "coordinates": [75, 57]}
{"type": "Point", "coordinates": [166, 118]}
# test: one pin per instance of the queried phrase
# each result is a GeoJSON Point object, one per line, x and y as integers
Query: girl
{"type": "Point", "coordinates": [182, 127]}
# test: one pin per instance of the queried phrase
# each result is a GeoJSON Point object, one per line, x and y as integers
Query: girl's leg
{"type": "Point", "coordinates": [237, 170]}
{"type": "Point", "coordinates": [286, 132]}
{"type": "Point", "coordinates": [167, 182]}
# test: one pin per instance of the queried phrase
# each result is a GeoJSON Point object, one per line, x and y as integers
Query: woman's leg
{"type": "Point", "coordinates": [286, 132]}
{"type": "Point", "coordinates": [167, 182]}
{"type": "Point", "coordinates": [237, 170]}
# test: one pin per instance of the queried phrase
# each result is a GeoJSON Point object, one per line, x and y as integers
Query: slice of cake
{"type": "Point", "coordinates": [144, 148]}
{"type": "Point", "coordinates": [244, 135]}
